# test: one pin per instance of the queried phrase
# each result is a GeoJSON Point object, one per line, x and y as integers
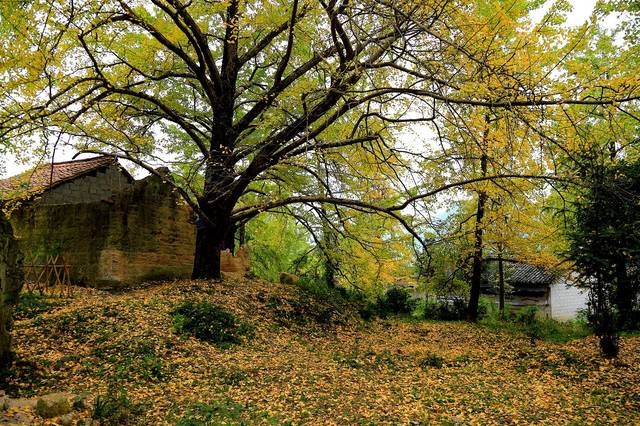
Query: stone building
{"type": "Point", "coordinates": [112, 229]}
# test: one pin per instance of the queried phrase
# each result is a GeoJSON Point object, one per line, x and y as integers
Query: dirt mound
{"type": "Point", "coordinates": [310, 361]}
{"type": "Point", "coordinates": [129, 335]}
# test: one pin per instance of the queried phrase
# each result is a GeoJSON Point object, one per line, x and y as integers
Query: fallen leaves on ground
{"type": "Point", "coordinates": [341, 371]}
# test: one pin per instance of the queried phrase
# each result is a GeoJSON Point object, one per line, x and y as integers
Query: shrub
{"type": "Point", "coordinates": [527, 316]}
{"type": "Point", "coordinates": [432, 360]}
{"type": "Point", "coordinates": [396, 301]}
{"type": "Point", "coordinates": [115, 408]}
{"type": "Point", "coordinates": [527, 321]}
{"type": "Point", "coordinates": [319, 290]}
{"type": "Point", "coordinates": [445, 310]}
{"type": "Point", "coordinates": [339, 299]}
{"type": "Point", "coordinates": [210, 323]}
{"type": "Point", "coordinates": [631, 322]}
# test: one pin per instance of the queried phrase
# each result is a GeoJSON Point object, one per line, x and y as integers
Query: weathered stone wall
{"type": "Point", "coordinates": [97, 186]}
{"type": "Point", "coordinates": [143, 233]}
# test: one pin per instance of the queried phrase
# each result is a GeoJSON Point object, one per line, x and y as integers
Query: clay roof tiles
{"type": "Point", "coordinates": [523, 273]}
{"type": "Point", "coordinates": [47, 176]}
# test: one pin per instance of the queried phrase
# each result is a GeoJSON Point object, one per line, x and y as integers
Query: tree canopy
{"type": "Point", "coordinates": [260, 105]}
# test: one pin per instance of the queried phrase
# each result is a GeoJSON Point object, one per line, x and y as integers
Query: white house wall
{"type": "Point", "coordinates": [566, 300]}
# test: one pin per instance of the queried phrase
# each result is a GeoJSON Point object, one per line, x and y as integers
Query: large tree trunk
{"type": "Point", "coordinates": [11, 280]}
{"type": "Point", "coordinates": [500, 283]}
{"type": "Point", "coordinates": [624, 294]}
{"type": "Point", "coordinates": [329, 237]}
{"type": "Point", "coordinates": [214, 228]}
{"type": "Point", "coordinates": [209, 243]}
{"type": "Point", "coordinates": [476, 271]}
{"type": "Point", "coordinates": [212, 236]}
{"type": "Point", "coordinates": [603, 319]}
{"type": "Point", "coordinates": [230, 240]}
{"type": "Point", "coordinates": [330, 248]}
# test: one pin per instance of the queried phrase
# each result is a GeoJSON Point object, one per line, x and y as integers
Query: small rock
{"type": "Point", "coordinates": [66, 420]}
{"type": "Point", "coordinates": [21, 419]}
{"type": "Point", "coordinates": [286, 278]}
{"type": "Point", "coordinates": [53, 405]}
{"type": "Point", "coordinates": [80, 401]}
{"type": "Point", "coordinates": [22, 403]}
{"type": "Point", "coordinates": [88, 422]}
{"type": "Point", "coordinates": [4, 402]}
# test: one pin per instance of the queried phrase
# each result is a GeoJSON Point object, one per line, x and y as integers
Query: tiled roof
{"type": "Point", "coordinates": [47, 176]}
{"type": "Point", "coordinates": [524, 278]}
{"type": "Point", "coordinates": [522, 273]}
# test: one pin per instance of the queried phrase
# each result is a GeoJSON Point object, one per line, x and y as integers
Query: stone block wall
{"type": "Point", "coordinates": [96, 186]}
{"type": "Point", "coordinates": [143, 233]}
{"type": "Point", "coordinates": [235, 264]}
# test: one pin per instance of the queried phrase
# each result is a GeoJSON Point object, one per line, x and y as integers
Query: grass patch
{"type": "Point", "coordinates": [113, 351]}
{"type": "Point", "coordinates": [529, 323]}
{"type": "Point", "coordinates": [369, 359]}
{"type": "Point", "coordinates": [432, 361]}
{"type": "Point", "coordinates": [210, 323]}
{"type": "Point", "coordinates": [225, 412]}
{"type": "Point", "coordinates": [230, 376]}
{"type": "Point", "coordinates": [115, 408]}
{"type": "Point", "coordinates": [83, 326]}
{"type": "Point", "coordinates": [31, 305]}
{"type": "Point", "coordinates": [132, 360]}
{"type": "Point", "coordinates": [562, 363]}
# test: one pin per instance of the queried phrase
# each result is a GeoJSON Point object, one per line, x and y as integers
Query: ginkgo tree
{"type": "Point", "coordinates": [231, 92]}
{"type": "Point", "coordinates": [504, 52]}
{"type": "Point", "coordinates": [231, 88]}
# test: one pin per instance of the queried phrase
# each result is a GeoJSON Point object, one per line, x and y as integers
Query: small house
{"type": "Point", "coordinates": [529, 285]}
{"type": "Point", "coordinates": [111, 229]}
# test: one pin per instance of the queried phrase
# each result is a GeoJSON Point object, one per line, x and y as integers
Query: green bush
{"type": "Point", "coordinates": [527, 316]}
{"type": "Point", "coordinates": [528, 322]}
{"type": "Point", "coordinates": [432, 360]}
{"type": "Point", "coordinates": [632, 322]}
{"type": "Point", "coordinates": [318, 289]}
{"type": "Point", "coordinates": [338, 298]}
{"type": "Point", "coordinates": [447, 310]}
{"type": "Point", "coordinates": [210, 323]}
{"type": "Point", "coordinates": [396, 301]}
{"type": "Point", "coordinates": [115, 408]}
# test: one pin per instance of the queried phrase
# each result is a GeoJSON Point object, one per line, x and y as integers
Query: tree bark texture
{"type": "Point", "coordinates": [11, 280]}
{"type": "Point", "coordinates": [214, 229]}
{"type": "Point", "coordinates": [501, 284]}
{"type": "Point", "coordinates": [212, 236]}
{"type": "Point", "coordinates": [476, 271]}
{"type": "Point", "coordinates": [624, 294]}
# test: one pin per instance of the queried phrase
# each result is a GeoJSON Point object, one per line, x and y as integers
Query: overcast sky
{"type": "Point", "coordinates": [581, 12]}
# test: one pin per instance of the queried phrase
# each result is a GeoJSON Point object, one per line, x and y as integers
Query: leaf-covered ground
{"type": "Point", "coordinates": [308, 364]}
